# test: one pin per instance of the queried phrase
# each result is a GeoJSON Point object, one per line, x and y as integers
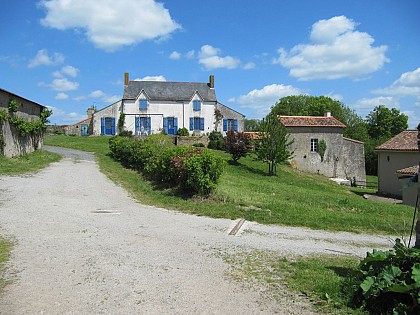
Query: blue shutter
{"type": "Point", "coordinates": [235, 125]}
{"type": "Point", "coordinates": [137, 123]}
{"type": "Point", "coordinates": [102, 125]}
{"type": "Point", "coordinates": [224, 124]}
{"type": "Point", "coordinates": [202, 124]}
{"type": "Point", "coordinates": [143, 104]}
{"type": "Point", "coordinates": [165, 125]}
{"type": "Point", "coordinates": [175, 125]}
{"type": "Point", "coordinates": [191, 123]}
{"type": "Point", "coordinates": [197, 105]}
{"type": "Point", "coordinates": [113, 126]}
{"type": "Point", "coordinates": [149, 125]}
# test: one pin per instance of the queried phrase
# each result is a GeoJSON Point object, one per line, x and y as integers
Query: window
{"type": "Point", "coordinates": [314, 145]}
{"type": "Point", "coordinates": [230, 124]}
{"type": "Point", "coordinates": [197, 105]}
{"type": "Point", "coordinates": [143, 125]}
{"type": "Point", "coordinates": [196, 123]}
{"type": "Point", "coordinates": [143, 104]}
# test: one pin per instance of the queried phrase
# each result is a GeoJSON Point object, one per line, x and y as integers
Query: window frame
{"type": "Point", "coordinates": [314, 145]}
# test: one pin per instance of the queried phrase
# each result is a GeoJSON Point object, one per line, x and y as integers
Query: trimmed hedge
{"type": "Point", "coordinates": [192, 170]}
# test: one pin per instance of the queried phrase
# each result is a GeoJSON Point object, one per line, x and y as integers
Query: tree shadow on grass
{"type": "Point", "coordinates": [248, 168]}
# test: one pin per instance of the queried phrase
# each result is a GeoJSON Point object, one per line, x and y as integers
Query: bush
{"type": "Point", "coordinates": [126, 133]}
{"type": "Point", "coordinates": [199, 145]}
{"type": "Point", "coordinates": [237, 144]}
{"type": "Point", "coordinates": [390, 281]}
{"type": "Point", "coordinates": [216, 141]}
{"type": "Point", "coordinates": [183, 132]}
{"type": "Point", "coordinates": [160, 140]}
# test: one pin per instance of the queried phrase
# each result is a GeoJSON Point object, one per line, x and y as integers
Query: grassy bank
{"type": "Point", "coordinates": [290, 198]}
{"type": "Point", "coordinates": [28, 163]}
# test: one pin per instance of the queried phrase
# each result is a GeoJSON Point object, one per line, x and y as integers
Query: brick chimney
{"type": "Point", "coordinates": [90, 112]}
{"type": "Point", "coordinates": [211, 81]}
{"type": "Point", "coordinates": [126, 79]}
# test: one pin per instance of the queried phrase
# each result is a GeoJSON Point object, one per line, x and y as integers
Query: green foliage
{"type": "Point", "coordinates": [216, 141]}
{"type": "Point", "coordinates": [272, 145]}
{"type": "Point", "coordinates": [390, 281]}
{"type": "Point", "coordinates": [27, 163]}
{"type": "Point", "coordinates": [252, 125]}
{"type": "Point", "coordinates": [385, 123]}
{"type": "Point", "coordinates": [13, 106]}
{"type": "Point", "coordinates": [237, 144]}
{"type": "Point", "coordinates": [121, 122]}
{"type": "Point", "coordinates": [192, 170]}
{"type": "Point", "coordinates": [322, 147]}
{"type": "Point", "coordinates": [183, 132]}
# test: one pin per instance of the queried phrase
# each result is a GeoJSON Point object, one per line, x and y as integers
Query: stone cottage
{"type": "Point", "coordinates": [11, 143]}
{"type": "Point", "coordinates": [154, 106]}
{"type": "Point", "coordinates": [83, 127]}
{"type": "Point", "coordinates": [343, 157]}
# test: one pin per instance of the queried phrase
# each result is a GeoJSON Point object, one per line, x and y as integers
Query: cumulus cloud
{"type": "Point", "coordinates": [210, 59]}
{"type": "Point", "coordinates": [64, 85]}
{"type": "Point", "coordinates": [262, 100]}
{"type": "Point", "coordinates": [111, 98]}
{"type": "Point", "coordinates": [249, 66]}
{"type": "Point", "coordinates": [110, 24]}
{"type": "Point", "coordinates": [175, 55]}
{"type": "Point", "coordinates": [97, 94]}
{"type": "Point", "coordinates": [61, 96]}
{"type": "Point", "coordinates": [43, 59]}
{"type": "Point", "coordinates": [152, 78]}
{"type": "Point", "coordinates": [407, 85]}
{"type": "Point", "coordinates": [60, 117]}
{"type": "Point", "coordinates": [364, 106]}
{"type": "Point", "coordinates": [336, 50]}
{"type": "Point", "coordinates": [66, 70]}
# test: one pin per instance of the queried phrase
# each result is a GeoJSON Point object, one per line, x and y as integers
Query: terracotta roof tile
{"type": "Point", "coordinates": [310, 121]}
{"type": "Point", "coordinates": [252, 134]}
{"type": "Point", "coordinates": [404, 141]}
{"type": "Point", "coordinates": [412, 170]}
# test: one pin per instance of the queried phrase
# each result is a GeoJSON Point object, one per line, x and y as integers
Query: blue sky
{"type": "Point", "coordinates": [72, 54]}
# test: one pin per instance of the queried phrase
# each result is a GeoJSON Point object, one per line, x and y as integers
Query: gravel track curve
{"type": "Point", "coordinates": [84, 246]}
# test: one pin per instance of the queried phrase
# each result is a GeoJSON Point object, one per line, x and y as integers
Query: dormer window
{"type": "Point", "coordinates": [143, 104]}
{"type": "Point", "coordinates": [197, 105]}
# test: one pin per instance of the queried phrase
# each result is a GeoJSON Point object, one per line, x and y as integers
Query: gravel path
{"type": "Point", "coordinates": [84, 246]}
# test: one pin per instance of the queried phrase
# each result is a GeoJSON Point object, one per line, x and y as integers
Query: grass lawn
{"type": "Point", "coordinates": [291, 198]}
{"type": "Point", "coordinates": [28, 163]}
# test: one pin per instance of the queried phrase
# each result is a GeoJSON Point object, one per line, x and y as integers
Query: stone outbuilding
{"type": "Point", "coordinates": [398, 153]}
{"type": "Point", "coordinates": [11, 142]}
{"type": "Point", "coordinates": [83, 127]}
{"type": "Point", "coordinates": [341, 157]}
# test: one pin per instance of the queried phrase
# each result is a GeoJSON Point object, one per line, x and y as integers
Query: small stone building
{"type": "Point", "coordinates": [11, 143]}
{"type": "Point", "coordinates": [343, 157]}
{"type": "Point", "coordinates": [81, 128]}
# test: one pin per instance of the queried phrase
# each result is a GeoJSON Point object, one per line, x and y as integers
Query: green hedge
{"type": "Point", "coordinates": [191, 170]}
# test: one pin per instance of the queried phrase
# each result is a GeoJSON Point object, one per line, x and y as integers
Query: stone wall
{"type": "Point", "coordinates": [190, 140]}
{"type": "Point", "coordinates": [228, 113]}
{"type": "Point", "coordinates": [15, 145]}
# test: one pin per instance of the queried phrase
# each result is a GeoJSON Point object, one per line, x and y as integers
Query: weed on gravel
{"type": "Point", "coordinates": [5, 248]}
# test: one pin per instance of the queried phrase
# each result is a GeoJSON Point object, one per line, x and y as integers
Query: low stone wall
{"type": "Point", "coordinates": [190, 140]}
{"type": "Point", "coordinates": [15, 145]}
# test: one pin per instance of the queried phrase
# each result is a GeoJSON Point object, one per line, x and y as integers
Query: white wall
{"type": "Point", "coordinates": [113, 111]}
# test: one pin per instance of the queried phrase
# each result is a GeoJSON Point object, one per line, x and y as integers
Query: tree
{"type": "Point", "coordinates": [383, 122]}
{"type": "Point", "coordinates": [237, 144]}
{"type": "Point", "coordinates": [306, 105]}
{"type": "Point", "coordinates": [252, 125]}
{"type": "Point", "coordinates": [273, 143]}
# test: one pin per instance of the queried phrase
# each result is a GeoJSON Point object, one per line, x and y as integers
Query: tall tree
{"type": "Point", "coordinates": [252, 124]}
{"type": "Point", "coordinates": [306, 105]}
{"type": "Point", "coordinates": [385, 123]}
{"type": "Point", "coordinates": [273, 143]}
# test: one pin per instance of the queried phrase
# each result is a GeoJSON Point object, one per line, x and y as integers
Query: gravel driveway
{"type": "Point", "coordinates": [84, 246]}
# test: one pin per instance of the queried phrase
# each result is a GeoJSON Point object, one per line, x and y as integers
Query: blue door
{"type": "Point", "coordinates": [171, 125]}
{"type": "Point", "coordinates": [107, 126]}
{"type": "Point", "coordinates": [84, 130]}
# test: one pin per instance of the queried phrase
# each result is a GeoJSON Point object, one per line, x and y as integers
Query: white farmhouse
{"type": "Point", "coordinates": [155, 106]}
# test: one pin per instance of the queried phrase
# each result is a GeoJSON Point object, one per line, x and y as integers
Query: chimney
{"type": "Point", "coordinates": [126, 79]}
{"type": "Point", "coordinates": [211, 81]}
{"type": "Point", "coordinates": [327, 114]}
{"type": "Point", "coordinates": [90, 112]}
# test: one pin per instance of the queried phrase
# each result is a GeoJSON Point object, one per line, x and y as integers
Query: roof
{"type": "Point", "coordinates": [353, 140]}
{"type": "Point", "coordinates": [404, 141]}
{"type": "Point", "coordinates": [169, 91]}
{"type": "Point", "coordinates": [3, 90]}
{"type": "Point", "coordinates": [80, 122]}
{"type": "Point", "coordinates": [412, 170]}
{"type": "Point", "coordinates": [310, 121]}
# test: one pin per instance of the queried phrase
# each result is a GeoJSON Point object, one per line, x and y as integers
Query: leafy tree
{"type": "Point", "coordinates": [252, 125]}
{"type": "Point", "coordinates": [216, 141]}
{"type": "Point", "coordinates": [237, 144]}
{"type": "Point", "coordinates": [383, 122]}
{"type": "Point", "coordinates": [273, 142]}
{"type": "Point", "coordinates": [306, 105]}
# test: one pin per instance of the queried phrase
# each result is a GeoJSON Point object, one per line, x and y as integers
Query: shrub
{"type": "Point", "coordinates": [237, 144]}
{"type": "Point", "coordinates": [390, 281]}
{"type": "Point", "coordinates": [216, 141]}
{"type": "Point", "coordinates": [160, 140]}
{"type": "Point", "coordinates": [183, 132]}
{"type": "Point", "coordinates": [126, 133]}
{"type": "Point", "coordinates": [199, 145]}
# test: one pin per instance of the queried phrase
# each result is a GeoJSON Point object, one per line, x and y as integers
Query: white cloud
{"type": "Point", "coordinates": [262, 100]}
{"type": "Point", "coordinates": [336, 51]}
{"type": "Point", "coordinates": [110, 24]}
{"type": "Point", "coordinates": [111, 98]}
{"type": "Point", "coordinates": [66, 70]}
{"type": "Point", "coordinates": [61, 96]}
{"type": "Point", "coordinates": [190, 54]}
{"type": "Point", "coordinates": [210, 59]}
{"type": "Point", "coordinates": [60, 117]}
{"type": "Point", "coordinates": [43, 59]}
{"type": "Point", "coordinates": [249, 66]}
{"type": "Point", "coordinates": [364, 106]}
{"type": "Point", "coordinates": [97, 94]}
{"type": "Point", "coordinates": [152, 78]}
{"type": "Point", "coordinates": [64, 85]}
{"type": "Point", "coordinates": [407, 85]}
{"type": "Point", "coordinates": [175, 55]}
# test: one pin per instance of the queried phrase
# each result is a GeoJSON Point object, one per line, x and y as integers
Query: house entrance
{"type": "Point", "coordinates": [84, 130]}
